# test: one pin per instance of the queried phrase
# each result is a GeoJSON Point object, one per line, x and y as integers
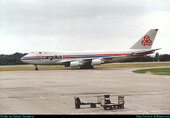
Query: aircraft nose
{"type": "Point", "coordinates": [23, 58]}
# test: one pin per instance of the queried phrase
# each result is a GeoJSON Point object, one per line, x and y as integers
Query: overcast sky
{"type": "Point", "coordinates": [81, 25]}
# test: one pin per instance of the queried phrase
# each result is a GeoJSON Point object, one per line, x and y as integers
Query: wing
{"type": "Point", "coordinates": [127, 57]}
{"type": "Point", "coordinates": [82, 61]}
{"type": "Point", "coordinates": [101, 60]}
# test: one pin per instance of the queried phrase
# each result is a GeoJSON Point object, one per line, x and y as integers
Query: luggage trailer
{"type": "Point", "coordinates": [102, 101]}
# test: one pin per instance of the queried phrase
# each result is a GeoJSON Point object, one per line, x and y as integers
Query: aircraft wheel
{"type": "Point", "coordinates": [36, 68]}
{"type": "Point", "coordinates": [87, 67]}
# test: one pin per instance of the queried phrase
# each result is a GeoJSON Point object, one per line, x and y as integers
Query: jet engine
{"type": "Point", "coordinates": [96, 62]}
{"type": "Point", "coordinates": [74, 64]}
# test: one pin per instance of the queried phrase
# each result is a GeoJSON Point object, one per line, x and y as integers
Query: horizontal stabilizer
{"type": "Point", "coordinates": [144, 52]}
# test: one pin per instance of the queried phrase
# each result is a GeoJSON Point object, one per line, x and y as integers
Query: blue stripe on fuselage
{"type": "Point", "coordinates": [30, 58]}
{"type": "Point", "coordinates": [88, 57]}
{"type": "Point", "coordinates": [73, 57]}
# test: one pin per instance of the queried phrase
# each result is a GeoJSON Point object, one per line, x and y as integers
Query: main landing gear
{"type": "Point", "coordinates": [36, 67]}
{"type": "Point", "coordinates": [87, 67]}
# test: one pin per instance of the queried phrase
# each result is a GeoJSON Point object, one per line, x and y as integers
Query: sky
{"type": "Point", "coordinates": [81, 25]}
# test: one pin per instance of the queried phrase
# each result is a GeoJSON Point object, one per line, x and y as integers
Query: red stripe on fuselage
{"type": "Point", "coordinates": [93, 55]}
{"type": "Point", "coordinates": [33, 57]}
{"type": "Point", "coordinates": [79, 55]}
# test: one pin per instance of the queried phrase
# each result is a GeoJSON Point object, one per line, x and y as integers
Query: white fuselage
{"type": "Point", "coordinates": [59, 58]}
{"type": "Point", "coordinates": [88, 59]}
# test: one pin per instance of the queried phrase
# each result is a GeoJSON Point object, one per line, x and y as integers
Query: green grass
{"type": "Point", "coordinates": [155, 71]}
{"type": "Point", "coordinates": [113, 65]}
{"type": "Point", "coordinates": [19, 68]}
{"type": "Point", "coordinates": [142, 64]}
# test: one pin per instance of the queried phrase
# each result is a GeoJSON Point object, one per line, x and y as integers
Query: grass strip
{"type": "Point", "coordinates": [155, 71]}
{"type": "Point", "coordinates": [58, 67]}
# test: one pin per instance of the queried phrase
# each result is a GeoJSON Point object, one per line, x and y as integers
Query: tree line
{"type": "Point", "coordinates": [12, 59]}
{"type": "Point", "coordinates": [148, 58]}
{"type": "Point", "coordinates": [15, 58]}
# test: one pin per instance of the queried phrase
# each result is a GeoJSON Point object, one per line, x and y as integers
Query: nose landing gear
{"type": "Point", "coordinates": [36, 67]}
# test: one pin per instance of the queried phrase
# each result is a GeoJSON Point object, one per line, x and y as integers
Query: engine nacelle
{"type": "Point", "coordinates": [74, 64]}
{"type": "Point", "coordinates": [96, 62]}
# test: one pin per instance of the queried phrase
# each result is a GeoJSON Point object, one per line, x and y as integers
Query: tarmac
{"type": "Point", "coordinates": [53, 91]}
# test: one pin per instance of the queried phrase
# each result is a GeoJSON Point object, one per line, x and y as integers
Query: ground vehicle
{"type": "Point", "coordinates": [102, 101]}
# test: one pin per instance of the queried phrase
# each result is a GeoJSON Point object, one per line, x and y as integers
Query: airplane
{"type": "Point", "coordinates": [87, 60]}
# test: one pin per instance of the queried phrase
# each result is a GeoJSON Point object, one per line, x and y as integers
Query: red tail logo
{"type": "Point", "coordinates": [146, 41]}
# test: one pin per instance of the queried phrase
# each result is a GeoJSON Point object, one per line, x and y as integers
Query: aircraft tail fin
{"type": "Point", "coordinates": [146, 41]}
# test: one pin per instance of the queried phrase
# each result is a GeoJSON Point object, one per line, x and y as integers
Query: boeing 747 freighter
{"type": "Point", "coordinates": [90, 59]}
